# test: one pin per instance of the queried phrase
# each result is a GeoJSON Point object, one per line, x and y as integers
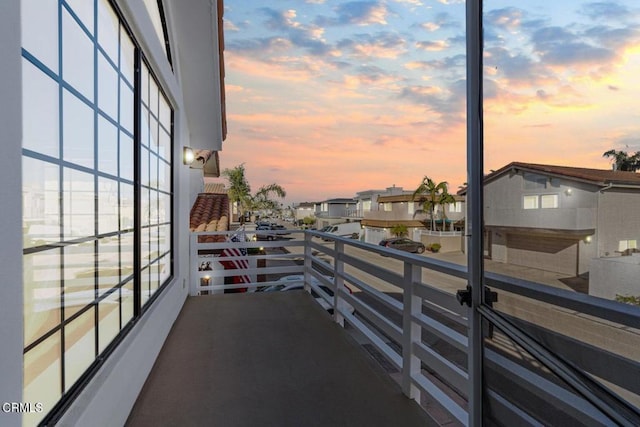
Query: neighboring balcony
{"type": "Point", "coordinates": [549, 356]}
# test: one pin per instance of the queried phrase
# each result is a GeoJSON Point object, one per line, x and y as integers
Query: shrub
{"type": "Point", "coordinates": [633, 300]}
{"type": "Point", "coordinates": [434, 247]}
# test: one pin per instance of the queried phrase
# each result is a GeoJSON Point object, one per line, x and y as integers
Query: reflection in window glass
{"type": "Point", "coordinates": [41, 293]}
{"type": "Point", "coordinates": [127, 302]}
{"type": "Point", "coordinates": [107, 147]}
{"type": "Point", "coordinates": [78, 131]}
{"type": "Point", "coordinates": [39, 24]}
{"type": "Point", "coordinates": [154, 14]}
{"type": "Point", "coordinates": [108, 28]}
{"type": "Point", "coordinates": [77, 56]}
{"type": "Point", "coordinates": [126, 157]}
{"type": "Point", "coordinates": [42, 377]}
{"type": "Point", "coordinates": [530, 202]}
{"type": "Point", "coordinates": [108, 264]}
{"type": "Point", "coordinates": [40, 203]}
{"type": "Point", "coordinates": [79, 346]}
{"type": "Point", "coordinates": [126, 207]}
{"type": "Point", "coordinates": [79, 277]}
{"type": "Point", "coordinates": [109, 313]}
{"type": "Point", "coordinates": [126, 56]}
{"type": "Point", "coordinates": [126, 106]}
{"type": "Point", "coordinates": [79, 199]}
{"type": "Point", "coordinates": [40, 119]}
{"type": "Point", "coordinates": [108, 88]}
{"type": "Point", "coordinates": [126, 256]}
{"type": "Point", "coordinates": [107, 206]}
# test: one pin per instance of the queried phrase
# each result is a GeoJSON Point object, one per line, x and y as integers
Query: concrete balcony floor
{"type": "Point", "coordinates": [267, 359]}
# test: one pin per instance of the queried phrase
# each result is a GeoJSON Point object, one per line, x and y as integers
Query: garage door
{"type": "Point", "coordinates": [545, 253]}
{"type": "Point", "coordinates": [374, 235]}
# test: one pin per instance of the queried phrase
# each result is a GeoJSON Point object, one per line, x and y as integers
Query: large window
{"type": "Point", "coordinates": [88, 268]}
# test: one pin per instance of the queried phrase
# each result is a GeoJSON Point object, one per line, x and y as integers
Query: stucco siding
{"type": "Point", "coordinates": [618, 220]}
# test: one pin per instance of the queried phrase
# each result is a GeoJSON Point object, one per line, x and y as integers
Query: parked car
{"type": "Point", "coordinates": [403, 244]}
{"type": "Point", "coordinates": [296, 282]}
{"type": "Point", "coordinates": [347, 229]}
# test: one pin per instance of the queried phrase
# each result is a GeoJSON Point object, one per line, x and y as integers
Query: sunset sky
{"type": "Point", "coordinates": [328, 98]}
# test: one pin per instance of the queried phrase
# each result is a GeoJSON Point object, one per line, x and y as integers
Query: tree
{"type": "Point", "coordinates": [433, 195]}
{"type": "Point", "coordinates": [239, 192]}
{"type": "Point", "coordinates": [623, 161]}
{"type": "Point", "coordinates": [263, 201]}
{"type": "Point", "coordinates": [399, 230]}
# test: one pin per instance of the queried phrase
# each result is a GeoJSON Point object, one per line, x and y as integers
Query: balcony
{"type": "Point", "coordinates": [397, 342]}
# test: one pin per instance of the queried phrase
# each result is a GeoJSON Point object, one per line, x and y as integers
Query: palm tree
{"type": "Point", "coordinates": [263, 201]}
{"type": "Point", "coordinates": [239, 192]}
{"type": "Point", "coordinates": [433, 195]}
{"type": "Point", "coordinates": [239, 189]}
{"type": "Point", "coordinates": [399, 230]}
{"type": "Point", "coordinates": [623, 161]}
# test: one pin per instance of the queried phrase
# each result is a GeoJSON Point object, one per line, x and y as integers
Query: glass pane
{"type": "Point", "coordinates": [153, 171]}
{"type": "Point", "coordinates": [78, 131]}
{"type": "Point", "coordinates": [39, 20]}
{"type": "Point", "coordinates": [107, 206]}
{"type": "Point", "coordinates": [145, 206]}
{"type": "Point", "coordinates": [40, 202]}
{"type": "Point", "coordinates": [79, 200]}
{"type": "Point", "coordinates": [165, 113]}
{"type": "Point", "coordinates": [153, 97]}
{"type": "Point", "coordinates": [144, 127]}
{"type": "Point", "coordinates": [80, 347]}
{"type": "Point", "coordinates": [153, 243]}
{"type": "Point", "coordinates": [126, 206]}
{"type": "Point", "coordinates": [153, 131]}
{"type": "Point", "coordinates": [153, 207]}
{"type": "Point", "coordinates": [145, 246]}
{"type": "Point", "coordinates": [127, 302]}
{"type": "Point", "coordinates": [84, 10]}
{"type": "Point", "coordinates": [126, 157]}
{"type": "Point", "coordinates": [40, 111]}
{"type": "Point", "coordinates": [77, 56]}
{"type": "Point", "coordinates": [164, 208]}
{"type": "Point", "coordinates": [108, 264]}
{"type": "Point", "coordinates": [154, 278]}
{"type": "Point", "coordinates": [165, 177]}
{"type": "Point", "coordinates": [42, 377]}
{"type": "Point", "coordinates": [41, 293]}
{"type": "Point", "coordinates": [164, 268]}
{"type": "Point", "coordinates": [107, 88]}
{"type": "Point", "coordinates": [109, 314]}
{"type": "Point", "coordinates": [107, 147]}
{"type": "Point", "coordinates": [126, 256]}
{"type": "Point", "coordinates": [144, 285]}
{"type": "Point", "coordinates": [79, 277]}
{"type": "Point", "coordinates": [156, 20]}
{"type": "Point", "coordinates": [126, 106]}
{"type": "Point", "coordinates": [164, 238]}
{"type": "Point", "coordinates": [126, 55]}
{"type": "Point", "coordinates": [108, 30]}
{"type": "Point", "coordinates": [164, 145]}
{"type": "Point", "coordinates": [144, 166]}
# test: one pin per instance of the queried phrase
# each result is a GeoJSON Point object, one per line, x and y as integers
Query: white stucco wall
{"type": "Point", "coordinates": [609, 277]}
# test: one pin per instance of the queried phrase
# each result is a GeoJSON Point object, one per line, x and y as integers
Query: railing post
{"type": "Point", "coordinates": [193, 277]}
{"type": "Point", "coordinates": [307, 261]}
{"type": "Point", "coordinates": [338, 281]}
{"type": "Point", "coordinates": [411, 331]}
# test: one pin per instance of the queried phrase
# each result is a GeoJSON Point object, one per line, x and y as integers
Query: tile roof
{"type": "Point", "coordinates": [602, 177]}
{"type": "Point", "coordinates": [595, 176]}
{"type": "Point", "coordinates": [210, 212]}
{"type": "Point", "coordinates": [214, 187]}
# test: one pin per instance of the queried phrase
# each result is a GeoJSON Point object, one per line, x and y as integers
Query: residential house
{"type": "Point", "coordinates": [559, 218]}
{"type": "Point", "coordinates": [304, 210]}
{"type": "Point", "coordinates": [334, 211]}
{"type": "Point", "coordinates": [100, 100]}
{"type": "Point", "coordinates": [400, 208]}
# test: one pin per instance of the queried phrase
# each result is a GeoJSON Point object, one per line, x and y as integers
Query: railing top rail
{"type": "Point", "coordinates": [449, 268]}
{"type": "Point", "coordinates": [613, 311]}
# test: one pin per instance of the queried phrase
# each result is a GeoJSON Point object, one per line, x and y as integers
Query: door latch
{"type": "Point", "coordinates": [464, 296]}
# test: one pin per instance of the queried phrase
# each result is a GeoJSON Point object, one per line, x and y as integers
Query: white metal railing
{"type": "Point", "coordinates": [440, 233]}
{"type": "Point", "coordinates": [542, 346]}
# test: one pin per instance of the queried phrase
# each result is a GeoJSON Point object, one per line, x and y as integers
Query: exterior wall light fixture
{"type": "Point", "coordinates": [587, 239]}
{"type": "Point", "coordinates": [568, 191]}
{"type": "Point", "coordinates": [187, 155]}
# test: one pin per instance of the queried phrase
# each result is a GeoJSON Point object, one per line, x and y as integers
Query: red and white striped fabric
{"type": "Point", "coordinates": [241, 263]}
